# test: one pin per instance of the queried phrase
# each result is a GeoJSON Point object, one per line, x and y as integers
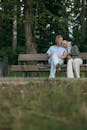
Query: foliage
{"type": "Point", "coordinates": [50, 18]}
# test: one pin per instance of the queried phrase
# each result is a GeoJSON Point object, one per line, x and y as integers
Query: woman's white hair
{"type": "Point", "coordinates": [68, 43]}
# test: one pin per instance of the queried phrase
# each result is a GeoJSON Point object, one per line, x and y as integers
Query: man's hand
{"type": "Point", "coordinates": [49, 55]}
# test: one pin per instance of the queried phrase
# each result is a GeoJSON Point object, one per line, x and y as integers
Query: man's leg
{"type": "Point", "coordinates": [54, 61]}
{"type": "Point", "coordinates": [52, 70]}
{"type": "Point", "coordinates": [76, 65]}
{"type": "Point", "coordinates": [70, 69]}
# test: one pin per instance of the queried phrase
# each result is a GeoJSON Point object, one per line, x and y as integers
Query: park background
{"type": "Point", "coordinates": [30, 26]}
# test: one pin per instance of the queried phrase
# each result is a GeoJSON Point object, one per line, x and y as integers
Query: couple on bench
{"type": "Point", "coordinates": [61, 51]}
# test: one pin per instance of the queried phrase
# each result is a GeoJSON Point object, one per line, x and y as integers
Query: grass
{"type": "Point", "coordinates": [44, 105]}
{"type": "Point", "coordinates": [40, 74]}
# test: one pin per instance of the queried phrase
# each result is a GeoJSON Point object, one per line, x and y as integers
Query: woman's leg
{"type": "Point", "coordinates": [70, 69]}
{"type": "Point", "coordinates": [76, 65]}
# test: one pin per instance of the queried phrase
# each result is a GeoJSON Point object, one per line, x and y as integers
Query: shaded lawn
{"type": "Point", "coordinates": [44, 105]}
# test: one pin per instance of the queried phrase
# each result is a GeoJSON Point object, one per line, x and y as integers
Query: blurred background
{"type": "Point", "coordinates": [30, 26]}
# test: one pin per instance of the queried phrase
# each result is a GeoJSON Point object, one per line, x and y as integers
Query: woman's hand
{"type": "Point", "coordinates": [64, 56]}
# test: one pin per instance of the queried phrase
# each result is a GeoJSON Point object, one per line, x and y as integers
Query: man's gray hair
{"type": "Point", "coordinates": [57, 37]}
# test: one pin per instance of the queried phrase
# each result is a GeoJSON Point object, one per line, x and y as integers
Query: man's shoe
{"type": "Point", "coordinates": [51, 78]}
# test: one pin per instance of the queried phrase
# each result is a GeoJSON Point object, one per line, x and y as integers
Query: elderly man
{"type": "Point", "coordinates": [56, 55]}
{"type": "Point", "coordinates": [74, 61]}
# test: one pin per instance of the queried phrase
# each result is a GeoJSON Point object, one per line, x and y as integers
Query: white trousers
{"type": "Point", "coordinates": [73, 67]}
{"type": "Point", "coordinates": [53, 61]}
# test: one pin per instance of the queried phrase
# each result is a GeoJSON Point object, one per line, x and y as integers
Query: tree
{"type": "Point", "coordinates": [14, 41]}
{"type": "Point", "coordinates": [83, 17]}
{"type": "Point", "coordinates": [32, 25]}
{"type": "Point", "coordinates": [29, 27]}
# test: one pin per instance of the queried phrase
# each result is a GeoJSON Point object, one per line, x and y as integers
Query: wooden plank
{"type": "Point", "coordinates": [24, 68]}
{"type": "Point", "coordinates": [83, 55]}
{"type": "Point", "coordinates": [32, 57]}
{"type": "Point", "coordinates": [35, 68]}
{"type": "Point", "coordinates": [42, 57]}
{"type": "Point", "coordinates": [31, 68]}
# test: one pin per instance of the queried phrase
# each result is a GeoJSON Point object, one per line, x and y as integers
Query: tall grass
{"type": "Point", "coordinates": [44, 105]}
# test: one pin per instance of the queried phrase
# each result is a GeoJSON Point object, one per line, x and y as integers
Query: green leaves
{"type": "Point", "coordinates": [49, 18]}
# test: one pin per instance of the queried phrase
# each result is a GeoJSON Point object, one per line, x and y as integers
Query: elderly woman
{"type": "Point", "coordinates": [74, 61]}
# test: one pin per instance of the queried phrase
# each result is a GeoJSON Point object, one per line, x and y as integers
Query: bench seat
{"type": "Point", "coordinates": [40, 63]}
{"type": "Point", "coordinates": [36, 68]}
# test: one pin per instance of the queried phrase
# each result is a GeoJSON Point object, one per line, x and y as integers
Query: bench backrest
{"type": "Point", "coordinates": [32, 57]}
{"type": "Point", "coordinates": [42, 57]}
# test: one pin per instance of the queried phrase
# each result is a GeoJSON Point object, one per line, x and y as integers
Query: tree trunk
{"type": "Point", "coordinates": [83, 16]}
{"type": "Point", "coordinates": [14, 43]}
{"type": "Point", "coordinates": [29, 28]}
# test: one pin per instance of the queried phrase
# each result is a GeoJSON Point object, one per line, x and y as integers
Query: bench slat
{"type": "Point", "coordinates": [83, 55]}
{"type": "Point", "coordinates": [35, 68]}
{"type": "Point", "coordinates": [32, 57]}
{"type": "Point", "coordinates": [41, 57]}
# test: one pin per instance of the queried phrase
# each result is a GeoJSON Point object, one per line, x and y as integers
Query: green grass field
{"type": "Point", "coordinates": [44, 105]}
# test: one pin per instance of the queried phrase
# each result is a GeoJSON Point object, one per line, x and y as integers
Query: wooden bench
{"type": "Point", "coordinates": [25, 65]}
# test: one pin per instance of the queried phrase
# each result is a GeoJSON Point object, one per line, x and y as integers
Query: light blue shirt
{"type": "Point", "coordinates": [59, 50]}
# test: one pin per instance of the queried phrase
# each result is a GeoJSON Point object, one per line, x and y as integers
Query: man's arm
{"type": "Point", "coordinates": [64, 56]}
{"type": "Point", "coordinates": [49, 53]}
